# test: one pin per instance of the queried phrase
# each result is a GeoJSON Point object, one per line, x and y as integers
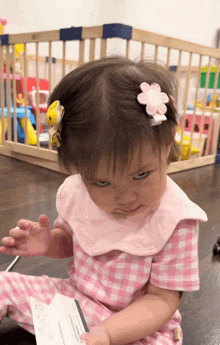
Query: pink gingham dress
{"type": "Point", "coordinates": [115, 257]}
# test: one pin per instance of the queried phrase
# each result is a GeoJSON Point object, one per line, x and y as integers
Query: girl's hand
{"type": "Point", "coordinates": [31, 239]}
{"type": "Point", "coordinates": [96, 337]}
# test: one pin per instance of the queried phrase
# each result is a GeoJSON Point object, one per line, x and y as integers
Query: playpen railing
{"type": "Point", "coordinates": [185, 59]}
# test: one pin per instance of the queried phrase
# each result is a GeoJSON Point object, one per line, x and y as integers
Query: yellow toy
{"type": "Point", "coordinates": [1, 29]}
{"type": "Point", "coordinates": [19, 48]}
{"type": "Point", "coordinates": [209, 106]}
{"type": "Point", "coordinates": [54, 118]}
{"type": "Point", "coordinates": [185, 145]}
{"type": "Point", "coordinates": [5, 129]}
{"type": "Point", "coordinates": [20, 100]}
{"type": "Point", "coordinates": [3, 22]}
{"type": "Point", "coordinates": [199, 104]}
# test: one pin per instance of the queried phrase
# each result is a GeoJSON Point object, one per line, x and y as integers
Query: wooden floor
{"type": "Point", "coordinates": [26, 191]}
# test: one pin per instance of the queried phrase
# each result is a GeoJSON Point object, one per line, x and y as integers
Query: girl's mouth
{"type": "Point", "coordinates": [132, 211]}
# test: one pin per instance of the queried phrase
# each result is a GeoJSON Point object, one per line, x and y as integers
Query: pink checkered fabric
{"type": "Point", "coordinates": [105, 284]}
{"type": "Point", "coordinates": [116, 279]}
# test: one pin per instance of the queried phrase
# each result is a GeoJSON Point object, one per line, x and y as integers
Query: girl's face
{"type": "Point", "coordinates": [138, 190]}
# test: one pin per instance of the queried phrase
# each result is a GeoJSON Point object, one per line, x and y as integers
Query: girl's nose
{"type": "Point", "coordinates": [125, 196]}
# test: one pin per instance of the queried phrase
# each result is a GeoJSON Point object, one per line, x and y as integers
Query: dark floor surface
{"type": "Point", "coordinates": [26, 191]}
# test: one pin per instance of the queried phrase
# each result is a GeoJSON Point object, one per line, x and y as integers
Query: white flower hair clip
{"type": "Point", "coordinates": [155, 102]}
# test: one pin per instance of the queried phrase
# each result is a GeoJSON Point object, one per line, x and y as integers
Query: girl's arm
{"type": "Point", "coordinates": [143, 317]}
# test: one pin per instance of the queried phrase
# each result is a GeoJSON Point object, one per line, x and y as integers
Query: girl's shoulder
{"type": "Point", "coordinates": [178, 202]}
{"type": "Point", "coordinates": [73, 181]}
{"type": "Point", "coordinates": [69, 192]}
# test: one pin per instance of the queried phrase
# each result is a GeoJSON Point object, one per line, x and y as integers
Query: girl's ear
{"type": "Point", "coordinates": [174, 130]}
{"type": "Point", "coordinates": [172, 144]}
{"type": "Point", "coordinates": [171, 97]}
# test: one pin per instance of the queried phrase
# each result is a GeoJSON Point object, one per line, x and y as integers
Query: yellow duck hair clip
{"type": "Point", "coordinates": [54, 117]}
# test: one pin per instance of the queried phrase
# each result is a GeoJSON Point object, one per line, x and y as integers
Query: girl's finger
{"type": "Point", "coordinates": [18, 233]}
{"type": "Point", "coordinates": [23, 224]}
{"type": "Point", "coordinates": [9, 251]}
{"type": "Point", "coordinates": [44, 221]}
{"type": "Point", "coordinates": [2, 250]}
{"type": "Point", "coordinates": [8, 241]}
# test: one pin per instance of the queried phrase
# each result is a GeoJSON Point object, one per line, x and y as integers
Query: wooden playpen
{"type": "Point", "coordinates": [55, 53]}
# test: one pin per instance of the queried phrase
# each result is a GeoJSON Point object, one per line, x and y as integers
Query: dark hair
{"type": "Point", "coordinates": [103, 117]}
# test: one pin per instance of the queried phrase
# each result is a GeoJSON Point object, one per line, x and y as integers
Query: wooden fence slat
{"type": "Point", "coordinates": [204, 101]}
{"type": "Point", "coordinates": [178, 75]}
{"type": "Point", "coordinates": [168, 57]}
{"type": "Point", "coordinates": [8, 92]}
{"type": "Point", "coordinates": [127, 48]}
{"type": "Point", "coordinates": [37, 94]}
{"type": "Point", "coordinates": [212, 110]}
{"type": "Point", "coordinates": [216, 136]}
{"type": "Point", "coordinates": [50, 78]}
{"type": "Point", "coordinates": [186, 91]}
{"type": "Point", "coordinates": [25, 95]}
{"type": "Point", "coordinates": [92, 49]}
{"type": "Point", "coordinates": [174, 43]}
{"type": "Point", "coordinates": [92, 32]}
{"type": "Point", "coordinates": [2, 95]}
{"type": "Point", "coordinates": [156, 54]}
{"type": "Point", "coordinates": [103, 47]}
{"type": "Point", "coordinates": [32, 151]}
{"type": "Point", "coordinates": [81, 52]}
{"type": "Point", "coordinates": [54, 75]}
{"type": "Point", "coordinates": [195, 104]}
{"type": "Point", "coordinates": [33, 37]}
{"type": "Point", "coordinates": [64, 60]}
{"type": "Point", "coordinates": [191, 164]}
{"type": "Point", "coordinates": [14, 98]}
{"type": "Point", "coordinates": [142, 50]}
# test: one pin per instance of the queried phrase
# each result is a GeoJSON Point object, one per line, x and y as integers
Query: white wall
{"type": "Point", "coordinates": [193, 20]}
{"type": "Point", "coordinates": [196, 21]}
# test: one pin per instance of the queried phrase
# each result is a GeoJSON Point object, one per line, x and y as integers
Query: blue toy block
{"type": "Point", "coordinates": [209, 98]}
{"type": "Point", "coordinates": [117, 30]}
{"type": "Point", "coordinates": [173, 68]}
{"type": "Point", "coordinates": [53, 59]}
{"type": "Point", "coordinates": [217, 158]}
{"type": "Point", "coordinates": [20, 132]}
{"type": "Point", "coordinates": [4, 40]}
{"type": "Point", "coordinates": [20, 111]}
{"type": "Point", "coordinates": [70, 34]}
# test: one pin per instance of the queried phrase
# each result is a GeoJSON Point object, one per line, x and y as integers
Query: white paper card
{"type": "Point", "coordinates": [60, 323]}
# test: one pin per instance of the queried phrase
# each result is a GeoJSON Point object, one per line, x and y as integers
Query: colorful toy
{"type": "Point", "coordinates": [20, 112]}
{"type": "Point", "coordinates": [185, 145]}
{"type": "Point", "coordinates": [3, 22]}
{"type": "Point", "coordinates": [32, 137]}
{"type": "Point", "coordinates": [20, 100]}
{"type": "Point", "coordinates": [19, 48]}
{"type": "Point", "coordinates": [209, 104]}
{"type": "Point", "coordinates": [211, 78]}
{"type": "Point", "coordinates": [43, 98]}
{"type": "Point", "coordinates": [199, 118]}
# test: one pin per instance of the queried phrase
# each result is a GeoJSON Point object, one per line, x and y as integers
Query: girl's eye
{"type": "Point", "coordinates": [101, 184]}
{"type": "Point", "coordinates": [137, 177]}
{"type": "Point", "coordinates": [142, 175]}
